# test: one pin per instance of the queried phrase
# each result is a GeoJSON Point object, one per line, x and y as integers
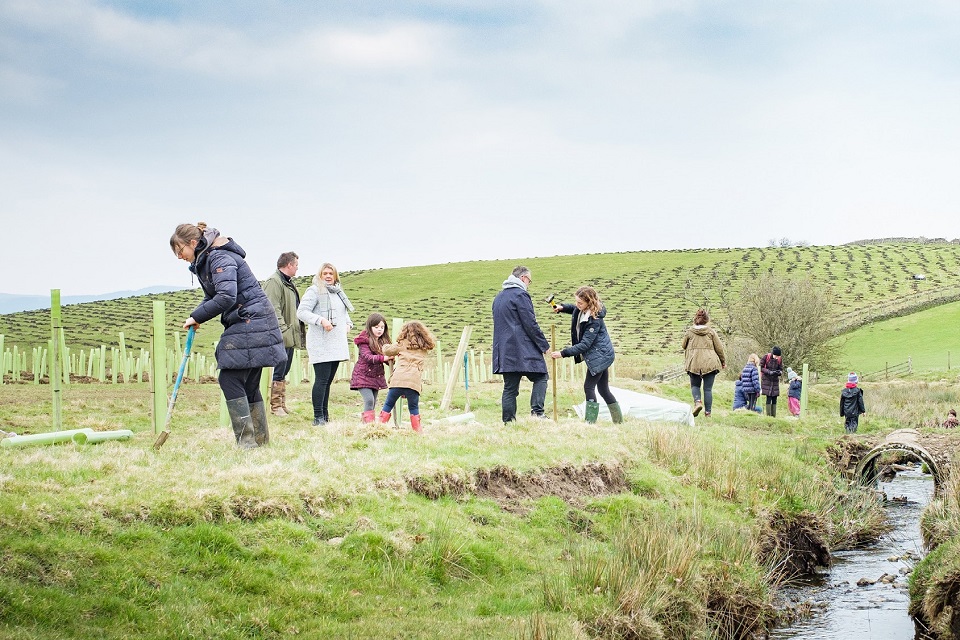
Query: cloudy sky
{"type": "Point", "coordinates": [375, 134]}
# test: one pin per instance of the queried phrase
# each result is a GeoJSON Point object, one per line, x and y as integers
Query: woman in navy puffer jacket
{"type": "Point", "coordinates": [591, 344]}
{"type": "Point", "coordinates": [251, 336]}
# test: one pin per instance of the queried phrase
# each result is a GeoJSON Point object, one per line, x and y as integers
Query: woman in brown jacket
{"type": "Point", "coordinates": [413, 344]}
{"type": "Point", "coordinates": [703, 359]}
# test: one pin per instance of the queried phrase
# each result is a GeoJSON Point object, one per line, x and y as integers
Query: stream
{"type": "Point", "coordinates": [845, 611]}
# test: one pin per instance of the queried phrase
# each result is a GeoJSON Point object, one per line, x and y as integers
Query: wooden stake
{"type": "Point", "coordinates": [455, 370]}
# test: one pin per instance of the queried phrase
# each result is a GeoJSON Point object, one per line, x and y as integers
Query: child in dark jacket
{"type": "Point", "coordinates": [793, 391]}
{"type": "Point", "coordinates": [851, 403]}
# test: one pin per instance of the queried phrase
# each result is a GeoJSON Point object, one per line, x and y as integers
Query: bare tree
{"type": "Point", "coordinates": [714, 295]}
{"type": "Point", "coordinates": [793, 313]}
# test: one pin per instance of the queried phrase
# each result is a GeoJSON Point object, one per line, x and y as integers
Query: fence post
{"type": "Point", "coordinates": [803, 390]}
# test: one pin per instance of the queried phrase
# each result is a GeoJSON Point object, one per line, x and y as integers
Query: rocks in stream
{"type": "Point", "coordinates": [886, 578]}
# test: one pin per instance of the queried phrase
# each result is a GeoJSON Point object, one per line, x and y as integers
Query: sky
{"type": "Point", "coordinates": [379, 134]}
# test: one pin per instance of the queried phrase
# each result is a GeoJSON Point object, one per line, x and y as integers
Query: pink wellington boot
{"type": "Point", "coordinates": [384, 417]}
{"type": "Point", "coordinates": [415, 423]}
{"type": "Point", "coordinates": [367, 417]}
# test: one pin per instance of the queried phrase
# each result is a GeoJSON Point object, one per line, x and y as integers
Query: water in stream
{"type": "Point", "coordinates": [876, 611]}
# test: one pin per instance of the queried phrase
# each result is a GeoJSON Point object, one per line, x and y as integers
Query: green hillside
{"type": "Point", "coordinates": [650, 295]}
{"type": "Point", "coordinates": [929, 338]}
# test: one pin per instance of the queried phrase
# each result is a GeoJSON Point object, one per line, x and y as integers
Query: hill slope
{"type": "Point", "coordinates": [929, 338]}
{"type": "Point", "coordinates": [650, 295]}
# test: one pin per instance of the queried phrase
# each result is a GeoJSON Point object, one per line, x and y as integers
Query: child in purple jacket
{"type": "Point", "coordinates": [368, 377]}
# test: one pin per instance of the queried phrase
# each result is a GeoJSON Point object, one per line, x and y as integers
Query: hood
{"type": "Point", "coordinates": [362, 338]}
{"type": "Point", "coordinates": [514, 282]}
{"type": "Point", "coordinates": [212, 239]}
{"type": "Point", "coordinates": [700, 329]}
{"type": "Point", "coordinates": [850, 392]}
{"type": "Point", "coordinates": [228, 244]}
{"type": "Point", "coordinates": [584, 317]}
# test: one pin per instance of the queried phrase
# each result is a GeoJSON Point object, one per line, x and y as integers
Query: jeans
{"type": "Point", "coordinates": [707, 381]}
{"type": "Point", "coordinates": [280, 371]}
{"type": "Point", "coordinates": [511, 389]}
{"type": "Point", "coordinates": [395, 393]}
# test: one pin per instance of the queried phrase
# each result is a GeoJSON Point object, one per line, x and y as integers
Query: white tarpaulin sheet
{"type": "Point", "coordinates": [645, 407]}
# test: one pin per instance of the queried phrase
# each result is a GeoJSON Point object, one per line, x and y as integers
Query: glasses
{"type": "Point", "coordinates": [180, 251]}
{"type": "Point", "coordinates": [529, 279]}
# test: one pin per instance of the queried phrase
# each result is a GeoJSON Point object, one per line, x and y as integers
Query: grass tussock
{"type": "Point", "coordinates": [940, 521]}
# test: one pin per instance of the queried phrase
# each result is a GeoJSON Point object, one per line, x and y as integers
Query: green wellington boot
{"type": "Point", "coordinates": [239, 410]}
{"type": "Point", "coordinates": [615, 414]}
{"type": "Point", "coordinates": [261, 434]}
{"type": "Point", "coordinates": [592, 411]}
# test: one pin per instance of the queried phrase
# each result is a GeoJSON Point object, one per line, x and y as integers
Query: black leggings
{"type": "Point", "coordinates": [239, 383]}
{"type": "Point", "coordinates": [324, 373]}
{"type": "Point", "coordinates": [598, 382]}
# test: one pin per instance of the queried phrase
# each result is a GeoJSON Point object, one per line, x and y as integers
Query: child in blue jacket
{"type": "Point", "coordinates": [750, 381]}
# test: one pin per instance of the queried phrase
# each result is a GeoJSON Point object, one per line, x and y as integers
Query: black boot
{"type": "Point", "coordinates": [773, 409]}
{"type": "Point", "coordinates": [258, 412]}
{"type": "Point", "coordinates": [239, 410]}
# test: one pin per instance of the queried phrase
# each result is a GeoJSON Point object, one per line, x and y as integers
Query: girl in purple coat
{"type": "Point", "coordinates": [368, 376]}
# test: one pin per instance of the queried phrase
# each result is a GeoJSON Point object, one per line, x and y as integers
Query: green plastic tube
{"type": "Point", "coordinates": [52, 437]}
{"type": "Point", "coordinates": [86, 436]}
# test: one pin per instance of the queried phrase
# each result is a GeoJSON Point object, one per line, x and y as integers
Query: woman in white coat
{"type": "Point", "coordinates": [325, 309]}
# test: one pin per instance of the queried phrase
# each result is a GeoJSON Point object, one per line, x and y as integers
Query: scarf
{"type": "Point", "coordinates": [323, 301]}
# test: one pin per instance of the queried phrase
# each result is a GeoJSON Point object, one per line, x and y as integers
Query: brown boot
{"type": "Point", "coordinates": [283, 396]}
{"type": "Point", "coordinates": [276, 399]}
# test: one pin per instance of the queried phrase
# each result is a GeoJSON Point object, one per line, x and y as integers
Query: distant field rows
{"type": "Point", "coordinates": [650, 295]}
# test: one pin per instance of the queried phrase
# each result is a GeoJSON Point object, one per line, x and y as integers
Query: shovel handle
{"type": "Point", "coordinates": [191, 332]}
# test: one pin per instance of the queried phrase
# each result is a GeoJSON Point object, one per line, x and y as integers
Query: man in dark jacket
{"type": "Point", "coordinates": [518, 345]}
{"type": "Point", "coordinates": [285, 298]}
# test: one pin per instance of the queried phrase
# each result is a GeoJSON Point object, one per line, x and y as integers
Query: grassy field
{"type": "Point", "coordinates": [929, 338]}
{"type": "Point", "coordinates": [533, 530]}
{"type": "Point", "coordinates": [651, 295]}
